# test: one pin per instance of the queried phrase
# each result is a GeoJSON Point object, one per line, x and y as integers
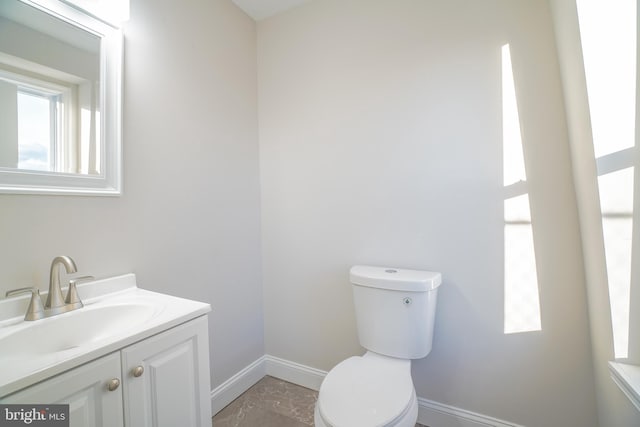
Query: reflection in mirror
{"type": "Point", "coordinates": [49, 76]}
{"type": "Point", "coordinates": [60, 85]}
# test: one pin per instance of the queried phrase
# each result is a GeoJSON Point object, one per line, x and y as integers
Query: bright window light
{"type": "Point", "coordinates": [608, 33]}
{"type": "Point", "coordinates": [513, 159]}
{"type": "Point", "coordinates": [85, 139]}
{"type": "Point", "coordinates": [616, 200]}
{"type": "Point", "coordinates": [521, 299]}
{"type": "Point", "coordinates": [521, 294]}
{"type": "Point", "coordinates": [35, 137]}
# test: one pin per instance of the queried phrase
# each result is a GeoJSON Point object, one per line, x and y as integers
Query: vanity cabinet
{"type": "Point", "coordinates": [84, 388]}
{"type": "Point", "coordinates": [161, 381]}
{"type": "Point", "coordinates": [166, 378]}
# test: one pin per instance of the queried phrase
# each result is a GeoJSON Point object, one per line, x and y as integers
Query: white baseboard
{"type": "Point", "coordinates": [430, 413]}
{"type": "Point", "coordinates": [285, 370]}
{"type": "Point", "coordinates": [229, 390]}
{"type": "Point", "coordinates": [436, 414]}
{"type": "Point", "coordinates": [294, 372]}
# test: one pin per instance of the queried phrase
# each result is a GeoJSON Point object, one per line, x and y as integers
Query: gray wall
{"type": "Point", "coordinates": [381, 143]}
{"type": "Point", "coordinates": [188, 222]}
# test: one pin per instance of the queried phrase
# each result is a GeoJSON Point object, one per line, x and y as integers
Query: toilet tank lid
{"type": "Point", "coordinates": [396, 279]}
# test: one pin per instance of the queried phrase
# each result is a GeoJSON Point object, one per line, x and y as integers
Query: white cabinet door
{"type": "Point", "coordinates": [85, 389]}
{"type": "Point", "coordinates": [172, 388]}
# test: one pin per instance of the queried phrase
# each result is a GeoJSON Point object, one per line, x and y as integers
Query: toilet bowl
{"type": "Point", "coordinates": [395, 312]}
{"type": "Point", "coordinates": [371, 390]}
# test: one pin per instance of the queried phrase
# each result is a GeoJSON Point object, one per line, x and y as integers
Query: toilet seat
{"type": "Point", "coordinates": [372, 390]}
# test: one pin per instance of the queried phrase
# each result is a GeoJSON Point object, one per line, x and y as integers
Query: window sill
{"type": "Point", "coordinates": [627, 377]}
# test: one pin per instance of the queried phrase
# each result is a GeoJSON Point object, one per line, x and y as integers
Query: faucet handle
{"type": "Point", "coordinates": [35, 310]}
{"type": "Point", "coordinates": [72, 293]}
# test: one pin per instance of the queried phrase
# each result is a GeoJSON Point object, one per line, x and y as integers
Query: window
{"type": "Point", "coordinates": [608, 33]}
{"type": "Point", "coordinates": [45, 110]}
{"type": "Point", "coordinates": [37, 130]}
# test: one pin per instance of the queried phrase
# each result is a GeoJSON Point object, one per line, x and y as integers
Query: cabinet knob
{"type": "Point", "coordinates": [113, 384]}
{"type": "Point", "coordinates": [137, 371]}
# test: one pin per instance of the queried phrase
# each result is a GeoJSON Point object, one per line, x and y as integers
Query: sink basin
{"type": "Point", "coordinates": [116, 314]}
{"type": "Point", "coordinates": [74, 329]}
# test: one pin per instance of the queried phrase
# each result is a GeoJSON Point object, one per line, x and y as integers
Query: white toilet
{"type": "Point", "coordinates": [395, 310]}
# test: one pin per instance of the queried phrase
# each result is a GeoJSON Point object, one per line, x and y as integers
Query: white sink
{"type": "Point", "coordinates": [73, 329]}
{"type": "Point", "coordinates": [116, 314]}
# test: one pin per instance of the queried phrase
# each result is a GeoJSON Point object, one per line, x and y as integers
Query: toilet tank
{"type": "Point", "coordinates": [395, 309]}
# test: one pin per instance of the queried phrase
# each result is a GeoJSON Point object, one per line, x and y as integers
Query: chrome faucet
{"type": "Point", "coordinates": [55, 304]}
{"type": "Point", "coordinates": [55, 300]}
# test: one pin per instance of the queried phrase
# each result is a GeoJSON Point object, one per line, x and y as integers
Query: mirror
{"type": "Point", "coordinates": [60, 100]}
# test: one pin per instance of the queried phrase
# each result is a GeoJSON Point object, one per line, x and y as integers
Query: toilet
{"type": "Point", "coordinates": [395, 311]}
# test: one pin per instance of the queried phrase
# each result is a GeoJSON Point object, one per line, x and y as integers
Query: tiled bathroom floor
{"type": "Point", "coordinates": [270, 403]}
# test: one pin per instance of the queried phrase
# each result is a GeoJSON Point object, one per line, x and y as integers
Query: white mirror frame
{"type": "Point", "coordinates": [109, 183]}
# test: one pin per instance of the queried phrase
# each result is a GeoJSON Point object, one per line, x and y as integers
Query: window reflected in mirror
{"type": "Point", "coordinates": [49, 93]}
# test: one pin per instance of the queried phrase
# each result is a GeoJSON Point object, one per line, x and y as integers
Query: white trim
{"type": "Point", "coordinates": [627, 377]}
{"type": "Point", "coordinates": [438, 414]}
{"type": "Point", "coordinates": [429, 412]}
{"type": "Point", "coordinates": [114, 13]}
{"type": "Point", "coordinates": [295, 373]}
{"type": "Point", "coordinates": [232, 388]}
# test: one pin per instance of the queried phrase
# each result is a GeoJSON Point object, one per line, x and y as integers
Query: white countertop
{"type": "Point", "coordinates": [163, 312]}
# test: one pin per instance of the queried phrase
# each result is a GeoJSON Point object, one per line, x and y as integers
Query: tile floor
{"type": "Point", "coordinates": [270, 403]}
